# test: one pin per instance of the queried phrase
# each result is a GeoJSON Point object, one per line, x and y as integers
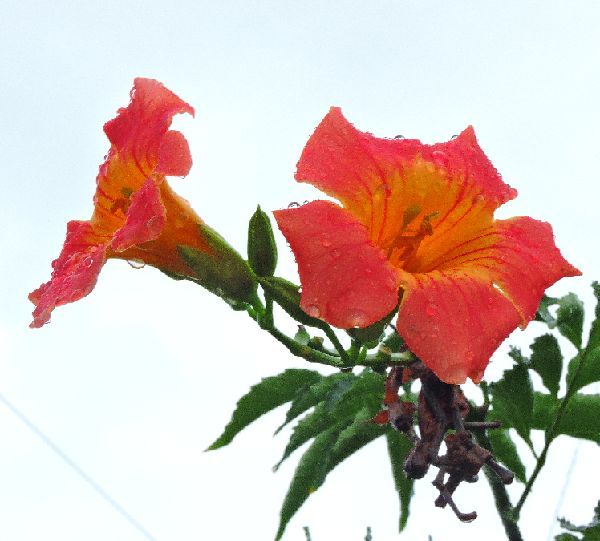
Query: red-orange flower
{"type": "Point", "coordinates": [136, 214]}
{"type": "Point", "coordinates": [417, 219]}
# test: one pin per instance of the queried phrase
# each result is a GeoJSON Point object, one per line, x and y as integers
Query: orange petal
{"type": "Point", "coordinates": [455, 317]}
{"type": "Point", "coordinates": [74, 273]}
{"type": "Point", "coordinates": [346, 281]}
{"type": "Point", "coordinates": [145, 220]}
{"type": "Point", "coordinates": [380, 180]}
{"type": "Point", "coordinates": [140, 148]}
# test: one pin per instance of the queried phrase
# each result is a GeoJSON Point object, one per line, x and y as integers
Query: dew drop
{"type": "Point", "coordinates": [293, 205]}
{"type": "Point", "coordinates": [136, 263]}
{"type": "Point", "coordinates": [368, 271]}
{"type": "Point", "coordinates": [313, 310]}
{"type": "Point", "coordinates": [336, 253]}
{"type": "Point", "coordinates": [305, 202]}
{"type": "Point", "coordinates": [440, 158]}
{"type": "Point", "coordinates": [430, 310]}
{"type": "Point", "coordinates": [326, 243]}
{"type": "Point", "coordinates": [357, 319]}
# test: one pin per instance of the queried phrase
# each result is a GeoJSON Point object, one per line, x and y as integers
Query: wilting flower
{"type": "Point", "coordinates": [136, 215]}
{"type": "Point", "coordinates": [417, 220]}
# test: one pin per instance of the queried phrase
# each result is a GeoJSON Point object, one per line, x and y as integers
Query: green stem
{"type": "Point", "coordinates": [551, 433]}
{"type": "Point", "coordinates": [505, 509]}
{"type": "Point", "coordinates": [330, 333]}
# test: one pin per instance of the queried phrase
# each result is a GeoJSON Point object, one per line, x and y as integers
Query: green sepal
{"type": "Point", "coordinates": [222, 270]}
{"type": "Point", "coordinates": [371, 335]}
{"type": "Point", "coordinates": [263, 397]}
{"type": "Point", "coordinates": [262, 250]}
{"type": "Point", "coordinates": [287, 295]}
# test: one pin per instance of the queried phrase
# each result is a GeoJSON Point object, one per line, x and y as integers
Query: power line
{"type": "Point", "coordinates": [73, 465]}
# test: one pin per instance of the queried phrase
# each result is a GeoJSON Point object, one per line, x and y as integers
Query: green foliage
{"type": "Point", "coordinates": [546, 360]}
{"type": "Point", "coordinates": [505, 451]}
{"type": "Point", "coordinates": [262, 249]}
{"type": "Point", "coordinates": [591, 531]}
{"type": "Point", "coordinates": [584, 368]}
{"type": "Point", "coordinates": [222, 270]}
{"type": "Point", "coordinates": [398, 448]}
{"type": "Point", "coordinates": [543, 312]}
{"type": "Point", "coordinates": [263, 397]}
{"type": "Point", "coordinates": [579, 418]}
{"type": "Point", "coordinates": [569, 318]}
{"type": "Point", "coordinates": [512, 401]}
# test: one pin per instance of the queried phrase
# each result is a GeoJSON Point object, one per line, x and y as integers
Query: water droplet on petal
{"type": "Point", "coordinates": [368, 271]}
{"type": "Point", "coordinates": [136, 263]}
{"type": "Point", "coordinates": [440, 158]}
{"type": "Point", "coordinates": [305, 202]}
{"type": "Point", "coordinates": [312, 310]}
{"type": "Point", "coordinates": [391, 284]}
{"type": "Point", "coordinates": [398, 136]}
{"type": "Point", "coordinates": [293, 205]}
{"type": "Point", "coordinates": [326, 243]}
{"type": "Point", "coordinates": [336, 253]}
{"type": "Point", "coordinates": [430, 310]}
{"type": "Point", "coordinates": [358, 319]}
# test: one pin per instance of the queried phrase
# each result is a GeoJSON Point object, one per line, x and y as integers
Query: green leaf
{"type": "Point", "coordinates": [544, 409]}
{"type": "Point", "coordinates": [569, 318]}
{"type": "Point", "coordinates": [587, 367]}
{"type": "Point", "coordinates": [355, 436]}
{"type": "Point", "coordinates": [505, 451]}
{"type": "Point", "coordinates": [546, 360]}
{"type": "Point", "coordinates": [594, 337]}
{"type": "Point", "coordinates": [308, 477]}
{"type": "Point", "coordinates": [398, 448]}
{"type": "Point", "coordinates": [287, 295]}
{"type": "Point", "coordinates": [262, 250]}
{"type": "Point", "coordinates": [512, 400]}
{"type": "Point", "coordinates": [367, 391]}
{"type": "Point", "coordinates": [263, 397]}
{"type": "Point", "coordinates": [222, 270]}
{"type": "Point", "coordinates": [579, 420]}
{"type": "Point", "coordinates": [566, 537]}
{"type": "Point", "coordinates": [328, 388]}
{"type": "Point", "coordinates": [543, 313]}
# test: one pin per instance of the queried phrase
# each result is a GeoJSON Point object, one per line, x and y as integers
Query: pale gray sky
{"type": "Point", "coordinates": [121, 380]}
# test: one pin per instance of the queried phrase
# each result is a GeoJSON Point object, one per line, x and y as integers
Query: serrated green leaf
{"type": "Point", "coordinates": [587, 367]}
{"type": "Point", "coordinates": [546, 360]}
{"type": "Point", "coordinates": [399, 446]}
{"type": "Point", "coordinates": [263, 397]}
{"type": "Point", "coordinates": [579, 420]}
{"type": "Point", "coordinates": [566, 537]}
{"type": "Point", "coordinates": [308, 477]}
{"type": "Point", "coordinates": [223, 271]}
{"type": "Point", "coordinates": [355, 436]}
{"type": "Point", "coordinates": [366, 391]}
{"type": "Point", "coordinates": [512, 400]}
{"type": "Point", "coordinates": [505, 451]}
{"type": "Point", "coordinates": [543, 313]}
{"type": "Point", "coordinates": [569, 318]}
{"type": "Point", "coordinates": [328, 388]}
{"type": "Point", "coordinates": [262, 249]}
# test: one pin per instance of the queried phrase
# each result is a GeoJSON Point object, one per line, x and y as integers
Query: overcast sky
{"type": "Point", "coordinates": [134, 381]}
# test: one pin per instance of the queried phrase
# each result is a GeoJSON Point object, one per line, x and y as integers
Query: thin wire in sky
{"type": "Point", "coordinates": [65, 458]}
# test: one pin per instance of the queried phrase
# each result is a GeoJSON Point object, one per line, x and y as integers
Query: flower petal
{"type": "Point", "coordinates": [346, 281]}
{"type": "Point", "coordinates": [74, 273]}
{"type": "Point", "coordinates": [141, 147]}
{"type": "Point", "coordinates": [145, 220]}
{"type": "Point", "coordinates": [380, 180]}
{"type": "Point", "coordinates": [455, 317]}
